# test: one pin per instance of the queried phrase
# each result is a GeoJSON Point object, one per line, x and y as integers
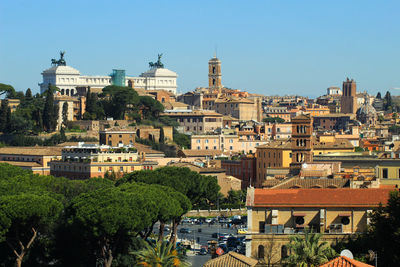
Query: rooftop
{"type": "Point", "coordinates": [311, 183]}
{"type": "Point", "coordinates": [32, 151]}
{"type": "Point", "coordinates": [344, 261]}
{"type": "Point", "coordinates": [342, 197]}
{"type": "Point", "coordinates": [231, 259]}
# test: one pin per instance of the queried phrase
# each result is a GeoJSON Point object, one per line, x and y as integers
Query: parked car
{"type": "Point", "coordinates": [203, 251]}
{"type": "Point", "coordinates": [185, 231]}
{"type": "Point", "coordinates": [186, 220]}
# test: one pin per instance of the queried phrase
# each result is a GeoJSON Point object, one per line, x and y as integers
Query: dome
{"type": "Point", "coordinates": [62, 70]}
{"type": "Point", "coordinates": [159, 72]}
{"type": "Point", "coordinates": [365, 109]}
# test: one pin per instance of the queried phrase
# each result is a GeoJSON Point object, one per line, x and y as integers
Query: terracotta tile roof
{"type": "Point", "coordinates": [234, 100]}
{"type": "Point", "coordinates": [342, 197]}
{"type": "Point", "coordinates": [302, 117]}
{"type": "Point", "coordinates": [192, 113]}
{"type": "Point", "coordinates": [310, 183]}
{"type": "Point", "coordinates": [171, 105]}
{"type": "Point", "coordinates": [281, 144]}
{"type": "Point", "coordinates": [344, 261]}
{"type": "Point", "coordinates": [32, 151]}
{"type": "Point", "coordinates": [338, 143]}
{"type": "Point", "coordinates": [148, 150]}
{"type": "Point", "coordinates": [200, 153]}
{"type": "Point", "coordinates": [231, 259]}
{"type": "Point", "coordinates": [23, 163]}
{"type": "Point", "coordinates": [270, 183]}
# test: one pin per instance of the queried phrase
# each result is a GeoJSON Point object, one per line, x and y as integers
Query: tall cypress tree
{"type": "Point", "coordinates": [28, 93]}
{"type": "Point", "coordinates": [49, 115]}
{"type": "Point", "coordinates": [388, 100]}
{"type": "Point", "coordinates": [3, 114]}
{"type": "Point", "coordinates": [8, 128]}
{"type": "Point", "coordinates": [65, 113]}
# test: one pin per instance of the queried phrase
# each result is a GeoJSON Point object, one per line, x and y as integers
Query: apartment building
{"type": "Point", "coordinates": [91, 160]}
{"type": "Point", "coordinates": [223, 142]}
{"type": "Point", "coordinates": [241, 108]}
{"type": "Point", "coordinates": [35, 159]}
{"type": "Point", "coordinates": [276, 214]}
{"type": "Point", "coordinates": [196, 121]}
{"type": "Point", "coordinates": [243, 168]}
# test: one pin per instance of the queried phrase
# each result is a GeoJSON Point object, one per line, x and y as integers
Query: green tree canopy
{"type": "Point", "coordinates": [23, 217]}
{"type": "Point", "coordinates": [108, 216]}
{"type": "Point", "coordinates": [118, 100]}
{"type": "Point", "coordinates": [273, 120]}
{"type": "Point", "coordinates": [385, 222]}
{"type": "Point", "coordinates": [7, 89]}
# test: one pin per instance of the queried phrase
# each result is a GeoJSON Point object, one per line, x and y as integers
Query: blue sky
{"type": "Point", "coordinates": [267, 47]}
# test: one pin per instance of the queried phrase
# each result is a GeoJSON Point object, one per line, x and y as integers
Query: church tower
{"type": "Point", "coordinates": [302, 146]}
{"type": "Point", "coordinates": [214, 74]}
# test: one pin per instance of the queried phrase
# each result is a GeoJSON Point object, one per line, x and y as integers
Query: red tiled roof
{"type": "Point", "coordinates": [341, 197]}
{"type": "Point", "coordinates": [344, 261]}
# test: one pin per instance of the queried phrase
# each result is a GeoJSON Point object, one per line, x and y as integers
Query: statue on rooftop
{"type": "Point", "coordinates": [157, 64]}
{"type": "Point", "coordinates": [61, 61]}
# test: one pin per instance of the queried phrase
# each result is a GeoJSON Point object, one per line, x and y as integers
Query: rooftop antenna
{"type": "Point", "coordinates": [215, 52]}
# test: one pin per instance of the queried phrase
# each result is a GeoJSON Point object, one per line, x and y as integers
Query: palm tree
{"type": "Point", "coordinates": [160, 254]}
{"type": "Point", "coordinates": [307, 250]}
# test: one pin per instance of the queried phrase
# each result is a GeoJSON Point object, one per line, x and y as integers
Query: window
{"type": "Point", "coordinates": [261, 226]}
{"type": "Point", "coordinates": [206, 147]}
{"type": "Point", "coordinates": [206, 141]}
{"type": "Point", "coordinates": [198, 148]}
{"type": "Point", "coordinates": [284, 252]}
{"type": "Point", "coordinates": [230, 140]}
{"type": "Point", "coordinates": [99, 169]}
{"type": "Point", "coordinates": [385, 173]}
{"type": "Point", "coordinates": [120, 136]}
{"type": "Point", "coordinates": [121, 169]}
{"type": "Point", "coordinates": [230, 148]}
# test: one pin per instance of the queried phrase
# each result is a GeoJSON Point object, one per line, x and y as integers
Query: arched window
{"type": "Point", "coordinates": [67, 91]}
{"type": "Point", "coordinates": [72, 91]}
{"type": "Point", "coordinates": [261, 252]}
{"type": "Point", "coordinates": [213, 70]}
{"type": "Point", "coordinates": [62, 91]}
{"type": "Point", "coordinates": [298, 128]}
{"type": "Point", "coordinates": [213, 81]}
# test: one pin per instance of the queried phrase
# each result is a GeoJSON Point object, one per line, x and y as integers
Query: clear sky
{"type": "Point", "coordinates": [268, 47]}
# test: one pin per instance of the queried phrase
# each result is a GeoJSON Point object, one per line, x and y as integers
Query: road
{"type": "Point", "coordinates": [204, 236]}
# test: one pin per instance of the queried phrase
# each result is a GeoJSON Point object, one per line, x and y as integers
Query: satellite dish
{"type": "Point", "coordinates": [347, 253]}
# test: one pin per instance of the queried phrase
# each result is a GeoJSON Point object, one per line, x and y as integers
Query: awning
{"type": "Point", "coordinates": [345, 214]}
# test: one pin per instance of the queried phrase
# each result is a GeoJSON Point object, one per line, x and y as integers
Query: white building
{"type": "Point", "coordinates": [68, 79]}
{"type": "Point", "coordinates": [156, 79]}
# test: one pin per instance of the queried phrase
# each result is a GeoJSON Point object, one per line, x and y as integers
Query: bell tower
{"type": "Point", "coordinates": [214, 74]}
{"type": "Point", "coordinates": [302, 146]}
